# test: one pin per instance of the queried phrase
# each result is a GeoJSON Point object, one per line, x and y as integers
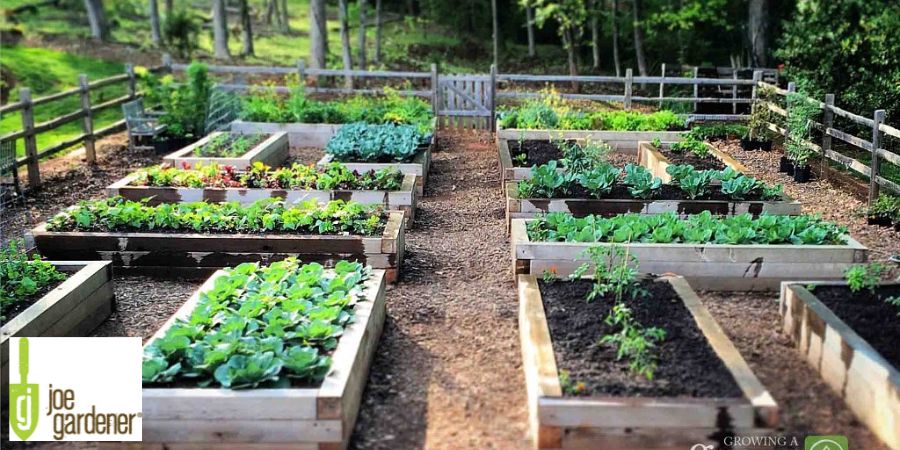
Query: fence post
{"type": "Point", "coordinates": [828, 122]}
{"type": "Point", "coordinates": [791, 87]}
{"type": "Point", "coordinates": [662, 84]}
{"type": "Point", "coordinates": [434, 89]}
{"type": "Point", "coordinates": [87, 121]}
{"type": "Point", "coordinates": [132, 81]}
{"type": "Point", "coordinates": [876, 138]}
{"type": "Point", "coordinates": [167, 62]}
{"type": "Point", "coordinates": [34, 171]}
{"type": "Point", "coordinates": [734, 93]}
{"type": "Point", "coordinates": [696, 88]}
{"type": "Point", "coordinates": [493, 121]}
{"type": "Point", "coordinates": [757, 77]}
{"type": "Point", "coordinates": [301, 72]}
{"type": "Point", "coordinates": [629, 81]}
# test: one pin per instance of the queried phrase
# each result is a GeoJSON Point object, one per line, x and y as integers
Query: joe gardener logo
{"type": "Point", "coordinates": [75, 389]}
{"type": "Point", "coordinates": [826, 443]}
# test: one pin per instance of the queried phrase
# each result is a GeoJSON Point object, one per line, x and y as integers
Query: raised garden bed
{"type": "Point", "coordinates": [402, 199]}
{"type": "Point", "coordinates": [620, 141]}
{"type": "Point", "coordinates": [723, 267]}
{"type": "Point", "coordinates": [527, 208]}
{"type": "Point", "coordinates": [311, 416]}
{"type": "Point", "coordinates": [540, 152]}
{"type": "Point", "coordinates": [271, 151]}
{"type": "Point", "coordinates": [851, 340]}
{"type": "Point", "coordinates": [616, 411]}
{"type": "Point", "coordinates": [652, 158]}
{"type": "Point", "coordinates": [299, 134]}
{"type": "Point", "coordinates": [167, 250]}
{"type": "Point", "coordinates": [418, 165]}
{"type": "Point", "coordinates": [73, 308]}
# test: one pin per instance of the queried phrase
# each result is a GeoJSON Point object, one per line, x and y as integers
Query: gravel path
{"type": "Point", "coordinates": [447, 371]}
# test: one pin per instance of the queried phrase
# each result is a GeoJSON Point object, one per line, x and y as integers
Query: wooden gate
{"type": "Point", "coordinates": [465, 101]}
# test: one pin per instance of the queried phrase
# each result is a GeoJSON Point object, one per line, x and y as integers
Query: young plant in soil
{"type": "Point", "coordinates": [800, 114]}
{"type": "Point", "coordinates": [272, 326]}
{"type": "Point", "coordinates": [229, 145]}
{"type": "Point", "coordinates": [262, 216]}
{"type": "Point", "coordinates": [261, 176]}
{"type": "Point", "coordinates": [864, 276]}
{"type": "Point", "coordinates": [569, 154]}
{"type": "Point", "coordinates": [23, 280]}
{"type": "Point", "coordinates": [692, 151]}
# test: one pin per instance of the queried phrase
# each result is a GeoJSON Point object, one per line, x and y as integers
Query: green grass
{"type": "Point", "coordinates": [47, 71]}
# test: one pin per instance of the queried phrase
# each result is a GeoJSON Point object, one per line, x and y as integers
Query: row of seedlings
{"type": "Point", "coordinates": [631, 392]}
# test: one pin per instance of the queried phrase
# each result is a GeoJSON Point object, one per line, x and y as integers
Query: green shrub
{"type": "Point", "coordinates": [184, 105]}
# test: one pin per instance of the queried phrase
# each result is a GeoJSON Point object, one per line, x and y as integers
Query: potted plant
{"type": "Point", "coordinates": [884, 211]}
{"type": "Point", "coordinates": [183, 106]}
{"type": "Point", "coordinates": [801, 113]}
{"type": "Point", "coordinates": [758, 136]}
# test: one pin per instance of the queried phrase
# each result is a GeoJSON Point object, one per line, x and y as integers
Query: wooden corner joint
{"type": "Point", "coordinates": [328, 408]}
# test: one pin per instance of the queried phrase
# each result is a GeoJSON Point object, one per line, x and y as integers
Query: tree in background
{"type": "Point", "coordinates": [614, 22]}
{"type": "Point", "coordinates": [570, 15]}
{"type": "Point", "coordinates": [850, 48]}
{"type": "Point", "coordinates": [377, 59]}
{"type": "Point", "coordinates": [318, 34]}
{"type": "Point", "coordinates": [758, 32]}
{"type": "Point", "coordinates": [344, 14]}
{"type": "Point", "coordinates": [361, 6]}
{"type": "Point", "coordinates": [97, 19]}
{"type": "Point", "coordinates": [246, 29]}
{"type": "Point", "coordinates": [155, 29]}
{"type": "Point", "coordinates": [181, 31]}
{"type": "Point", "coordinates": [638, 26]}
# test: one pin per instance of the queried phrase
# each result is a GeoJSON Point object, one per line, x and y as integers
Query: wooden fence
{"type": "Point", "coordinates": [85, 113]}
{"type": "Point", "coordinates": [828, 129]}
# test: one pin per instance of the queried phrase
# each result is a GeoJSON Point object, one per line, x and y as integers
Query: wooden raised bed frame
{"type": "Point", "coordinates": [272, 152]}
{"type": "Point", "coordinates": [630, 423]}
{"type": "Point", "coordinates": [418, 166]}
{"type": "Point", "coordinates": [509, 172]}
{"type": "Point", "coordinates": [201, 254]}
{"type": "Point", "coordinates": [403, 199]}
{"type": "Point", "coordinates": [651, 158]}
{"type": "Point", "coordinates": [299, 134]}
{"type": "Point", "coordinates": [528, 208]}
{"type": "Point", "coordinates": [706, 266]}
{"type": "Point", "coordinates": [74, 308]}
{"type": "Point", "coordinates": [296, 418]}
{"type": "Point", "coordinates": [620, 141]}
{"type": "Point", "coordinates": [868, 383]}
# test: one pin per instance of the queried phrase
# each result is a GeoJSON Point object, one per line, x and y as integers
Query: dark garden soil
{"type": "Point", "coordinates": [18, 307]}
{"type": "Point", "coordinates": [700, 163]}
{"type": "Point", "coordinates": [226, 147]}
{"type": "Point", "coordinates": [541, 152]}
{"type": "Point", "coordinates": [869, 315]}
{"type": "Point", "coordinates": [687, 365]}
{"type": "Point", "coordinates": [665, 192]}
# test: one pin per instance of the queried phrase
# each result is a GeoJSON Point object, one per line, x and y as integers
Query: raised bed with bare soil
{"type": "Point", "coordinates": [196, 253]}
{"type": "Point", "coordinates": [295, 418]}
{"type": "Point", "coordinates": [622, 141]}
{"type": "Point", "coordinates": [299, 134]}
{"type": "Point", "coordinates": [721, 267]}
{"type": "Point", "coordinates": [527, 208]}
{"type": "Point", "coordinates": [539, 153]}
{"type": "Point", "coordinates": [403, 199]}
{"type": "Point", "coordinates": [851, 340]}
{"type": "Point", "coordinates": [702, 390]}
{"type": "Point", "coordinates": [657, 161]}
{"type": "Point", "coordinates": [272, 151]}
{"type": "Point", "coordinates": [73, 308]}
{"type": "Point", "coordinates": [418, 165]}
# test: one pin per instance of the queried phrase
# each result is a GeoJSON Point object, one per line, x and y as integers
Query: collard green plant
{"type": "Point", "coordinates": [599, 180]}
{"type": "Point", "coordinates": [22, 277]}
{"type": "Point", "coordinates": [364, 142]}
{"type": "Point", "coordinates": [640, 181]}
{"type": "Point", "coordinates": [270, 326]}
{"type": "Point", "coordinates": [267, 215]}
{"type": "Point", "coordinates": [696, 184]}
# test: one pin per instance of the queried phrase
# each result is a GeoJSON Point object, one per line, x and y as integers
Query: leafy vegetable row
{"type": "Point", "coordinates": [259, 175]}
{"type": "Point", "coordinates": [376, 143]}
{"type": "Point", "coordinates": [550, 112]}
{"type": "Point", "coordinates": [228, 145]}
{"type": "Point", "coordinates": [703, 228]}
{"type": "Point", "coordinates": [266, 215]}
{"type": "Point", "coordinates": [266, 106]}
{"type": "Point", "coordinates": [547, 182]}
{"type": "Point", "coordinates": [259, 326]}
{"type": "Point", "coordinates": [22, 277]}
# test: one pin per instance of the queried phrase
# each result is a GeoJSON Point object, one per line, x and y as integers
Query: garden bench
{"type": "Point", "coordinates": [140, 122]}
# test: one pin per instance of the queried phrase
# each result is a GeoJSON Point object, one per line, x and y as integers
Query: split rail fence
{"type": "Point", "coordinates": [874, 146]}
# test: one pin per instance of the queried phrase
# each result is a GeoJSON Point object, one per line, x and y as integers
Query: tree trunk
{"type": "Point", "coordinates": [246, 28]}
{"type": "Point", "coordinates": [529, 27]}
{"type": "Point", "coordinates": [496, 35]}
{"type": "Point", "coordinates": [377, 59]}
{"type": "Point", "coordinates": [285, 18]}
{"type": "Point", "coordinates": [758, 26]}
{"type": "Point", "coordinates": [361, 5]}
{"type": "Point", "coordinates": [220, 30]}
{"type": "Point", "coordinates": [97, 19]}
{"type": "Point", "coordinates": [615, 36]}
{"type": "Point", "coordinates": [318, 33]}
{"type": "Point", "coordinates": [639, 38]}
{"type": "Point", "coordinates": [345, 40]}
{"type": "Point", "coordinates": [272, 10]}
{"type": "Point", "coordinates": [155, 33]}
{"type": "Point", "coordinates": [569, 45]}
{"type": "Point", "coordinates": [595, 33]}
{"type": "Point", "coordinates": [169, 7]}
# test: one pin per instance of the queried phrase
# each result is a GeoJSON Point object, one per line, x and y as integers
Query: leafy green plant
{"type": "Point", "coordinates": [634, 341]}
{"type": "Point", "coordinates": [545, 181]}
{"type": "Point", "coordinates": [259, 327]}
{"type": "Point", "coordinates": [228, 145]}
{"type": "Point", "coordinates": [267, 215]}
{"type": "Point", "coordinates": [862, 276]}
{"type": "Point", "coordinates": [583, 156]}
{"type": "Point", "coordinates": [364, 142]}
{"type": "Point", "coordinates": [739, 188]}
{"type": "Point", "coordinates": [704, 132]}
{"type": "Point", "coordinates": [761, 116]}
{"type": "Point", "coordinates": [640, 181]}
{"type": "Point", "coordinates": [895, 302]}
{"type": "Point", "coordinates": [696, 183]}
{"type": "Point", "coordinates": [599, 180]}
{"type": "Point", "coordinates": [549, 112]}
{"type": "Point", "coordinates": [22, 277]}
{"type": "Point", "coordinates": [801, 111]}
{"type": "Point", "coordinates": [703, 228]}
{"type": "Point", "coordinates": [184, 105]}
{"type": "Point", "coordinates": [692, 145]}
